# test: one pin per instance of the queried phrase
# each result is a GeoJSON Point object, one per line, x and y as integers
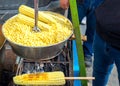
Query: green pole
{"type": "Point", "coordinates": [76, 25]}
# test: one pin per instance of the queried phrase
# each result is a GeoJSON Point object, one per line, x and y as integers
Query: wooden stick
{"type": "Point", "coordinates": [79, 78]}
{"type": "Point", "coordinates": [83, 37]}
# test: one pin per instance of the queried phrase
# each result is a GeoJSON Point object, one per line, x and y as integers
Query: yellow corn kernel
{"type": "Point", "coordinates": [45, 78]}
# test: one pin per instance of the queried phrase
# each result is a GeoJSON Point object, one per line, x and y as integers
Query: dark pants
{"type": "Point", "coordinates": [104, 58]}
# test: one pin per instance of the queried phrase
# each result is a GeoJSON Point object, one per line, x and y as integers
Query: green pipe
{"type": "Point", "coordinates": [76, 25]}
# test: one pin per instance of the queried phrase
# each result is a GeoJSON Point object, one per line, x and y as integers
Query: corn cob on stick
{"type": "Point", "coordinates": [46, 78]}
{"type": "Point", "coordinates": [28, 11]}
{"type": "Point", "coordinates": [30, 21]}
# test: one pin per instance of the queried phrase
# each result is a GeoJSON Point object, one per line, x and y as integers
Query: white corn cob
{"type": "Point", "coordinates": [28, 11]}
{"type": "Point", "coordinates": [30, 21]}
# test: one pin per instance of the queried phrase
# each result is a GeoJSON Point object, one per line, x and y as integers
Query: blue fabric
{"type": "Point", "coordinates": [96, 3]}
{"type": "Point", "coordinates": [87, 9]}
{"type": "Point", "coordinates": [105, 57]}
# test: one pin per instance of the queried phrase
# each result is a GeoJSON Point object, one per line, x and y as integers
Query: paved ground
{"type": "Point", "coordinates": [113, 81]}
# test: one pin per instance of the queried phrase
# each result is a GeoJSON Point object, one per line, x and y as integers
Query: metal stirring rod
{"type": "Point", "coordinates": [36, 29]}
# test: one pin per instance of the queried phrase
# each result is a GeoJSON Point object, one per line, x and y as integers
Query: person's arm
{"type": "Point", "coordinates": [64, 4]}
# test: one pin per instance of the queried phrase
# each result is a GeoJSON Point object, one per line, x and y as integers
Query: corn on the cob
{"type": "Point", "coordinates": [41, 15]}
{"type": "Point", "coordinates": [30, 21]}
{"type": "Point", "coordinates": [45, 78]}
{"type": "Point", "coordinates": [58, 17]}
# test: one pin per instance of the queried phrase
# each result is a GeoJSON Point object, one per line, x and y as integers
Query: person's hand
{"type": "Point", "coordinates": [64, 4]}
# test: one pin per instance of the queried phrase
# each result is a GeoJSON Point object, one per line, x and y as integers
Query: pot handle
{"type": "Point", "coordinates": [83, 37]}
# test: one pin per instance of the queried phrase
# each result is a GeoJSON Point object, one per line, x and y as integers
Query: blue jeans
{"type": "Point", "coordinates": [104, 58]}
{"type": "Point", "coordinates": [87, 9]}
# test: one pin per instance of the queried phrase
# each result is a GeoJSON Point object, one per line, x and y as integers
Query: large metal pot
{"type": "Point", "coordinates": [42, 53]}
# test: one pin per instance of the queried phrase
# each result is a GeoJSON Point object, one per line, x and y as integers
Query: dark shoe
{"type": "Point", "coordinates": [88, 61]}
